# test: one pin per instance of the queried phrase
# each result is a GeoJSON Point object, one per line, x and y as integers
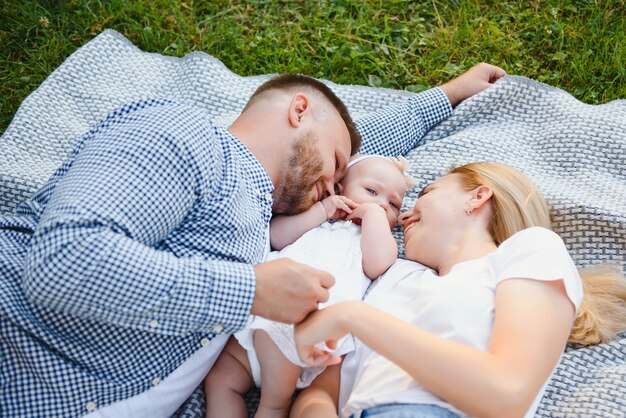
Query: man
{"type": "Point", "coordinates": [123, 276]}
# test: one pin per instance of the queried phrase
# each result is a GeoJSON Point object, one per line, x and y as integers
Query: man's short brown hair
{"type": "Point", "coordinates": [294, 81]}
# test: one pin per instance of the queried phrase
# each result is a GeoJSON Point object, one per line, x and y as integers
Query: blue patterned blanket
{"type": "Point", "coordinates": [574, 152]}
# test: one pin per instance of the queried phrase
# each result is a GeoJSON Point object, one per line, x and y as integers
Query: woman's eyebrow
{"type": "Point", "coordinates": [424, 190]}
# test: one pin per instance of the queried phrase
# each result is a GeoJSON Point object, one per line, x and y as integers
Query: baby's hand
{"type": "Point", "coordinates": [363, 210]}
{"type": "Point", "coordinates": [337, 207]}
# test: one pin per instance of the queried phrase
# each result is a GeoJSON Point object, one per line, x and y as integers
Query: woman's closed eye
{"type": "Point", "coordinates": [394, 205]}
{"type": "Point", "coordinates": [424, 191]}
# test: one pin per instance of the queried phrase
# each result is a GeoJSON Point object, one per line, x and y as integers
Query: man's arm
{"type": "Point", "coordinates": [130, 186]}
{"type": "Point", "coordinates": [474, 80]}
{"type": "Point", "coordinates": [399, 128]}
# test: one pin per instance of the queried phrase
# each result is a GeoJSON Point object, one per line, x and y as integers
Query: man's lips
{"type": "Point", "coordinates": [318, 192]}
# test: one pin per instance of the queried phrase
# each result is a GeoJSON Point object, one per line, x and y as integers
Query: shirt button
{"type": "Point", "coordinates": [218, 328]}
{"type": "Point", "coordinates": [156, 381]}
{"type": "Point", "coordinates": [268, 196]}
{"type": "Point", "coordinates": [153, 324]}
{"type": "Point", "coordinates": [204, 342]}
{"type": "Point", "coordinates": [91, 406]}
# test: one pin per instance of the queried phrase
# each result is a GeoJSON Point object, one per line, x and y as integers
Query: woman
{"type": "Point", "coordinates": [479, 331]}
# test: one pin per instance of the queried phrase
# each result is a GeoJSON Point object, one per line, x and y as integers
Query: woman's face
{"type": "Point", "coordinates": [431, 225]}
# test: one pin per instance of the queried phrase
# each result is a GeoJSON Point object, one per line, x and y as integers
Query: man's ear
{"type": "Point", "coordinates": [479, 197]}
{"type": "Point", "coordinates": [298, 108]}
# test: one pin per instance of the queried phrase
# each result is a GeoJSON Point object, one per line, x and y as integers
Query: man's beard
{"type": "Point", "coordinates": [304, 170]}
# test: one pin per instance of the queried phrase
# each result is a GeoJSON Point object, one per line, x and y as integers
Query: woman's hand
{"type": "Point", "coordinates": [323, 326]}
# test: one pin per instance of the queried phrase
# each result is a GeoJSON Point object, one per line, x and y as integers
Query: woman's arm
{"type": "Point", "coordinates": [532, 322]}
{"type": "Point", "coordinates": [320, 399]}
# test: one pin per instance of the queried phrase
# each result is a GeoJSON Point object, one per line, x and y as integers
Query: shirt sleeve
{"type": "Point", "coordinates": [400, 128]}
{"type": "Point", "coordinates": [538, 254]}
{"type": "Point", "coordinates": [94, 253]}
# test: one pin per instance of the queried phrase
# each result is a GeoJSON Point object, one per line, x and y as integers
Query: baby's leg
{"type": "Point", "coordinates": [278, 378]}
{"type": "Point", "coordinates": [228, 382]}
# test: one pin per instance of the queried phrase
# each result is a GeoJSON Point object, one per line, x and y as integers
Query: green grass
{"type": "Point", "coordinates": [579, 46]}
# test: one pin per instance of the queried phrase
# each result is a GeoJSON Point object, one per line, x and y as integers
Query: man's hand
{"type": "Point", "coordinates": [473, 81]}
{"type": "Point", "coordinates": [287, 291]}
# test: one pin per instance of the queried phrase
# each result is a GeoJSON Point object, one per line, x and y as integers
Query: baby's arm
{"type": "Point", "coordinates": [284, 230]}
{"type": "Point", "coordinates": [378, 246]}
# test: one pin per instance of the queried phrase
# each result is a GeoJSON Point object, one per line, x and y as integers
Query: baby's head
{"type": "Point", "coordinates": [377, 179]}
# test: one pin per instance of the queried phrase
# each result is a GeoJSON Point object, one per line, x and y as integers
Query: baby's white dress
{"type": "Point", "coordinates": [336, 248]}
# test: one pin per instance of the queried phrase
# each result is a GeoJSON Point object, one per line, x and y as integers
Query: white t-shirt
{"type": "Point", "coordinates": [458, 306]}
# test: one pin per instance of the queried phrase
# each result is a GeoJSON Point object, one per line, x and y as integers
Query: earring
{"type": "Point", "coordinates": [468, 209]}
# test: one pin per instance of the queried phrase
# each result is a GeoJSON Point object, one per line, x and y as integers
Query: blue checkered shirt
{"type": "Point", "coordinates": [139, 248]}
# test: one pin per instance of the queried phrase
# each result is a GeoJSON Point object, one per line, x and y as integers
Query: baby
{"type": "Point", "coordinates": [348, 235]}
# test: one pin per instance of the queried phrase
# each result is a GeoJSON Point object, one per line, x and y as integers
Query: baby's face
{"type": "Point", "coordinates": [376, 180]}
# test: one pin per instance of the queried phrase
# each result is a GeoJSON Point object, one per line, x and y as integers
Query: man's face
{"type": "Point", "coordinates": [318, 160]}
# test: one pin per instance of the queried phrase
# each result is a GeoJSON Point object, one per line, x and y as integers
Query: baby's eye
{"type": "Point", "coordinates": [394, 205]}
{"type": "Point", "coordinates": [371, 191]}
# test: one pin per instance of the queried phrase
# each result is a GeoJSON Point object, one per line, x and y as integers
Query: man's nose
{"type": "Point", "coordinates": [330, 187]}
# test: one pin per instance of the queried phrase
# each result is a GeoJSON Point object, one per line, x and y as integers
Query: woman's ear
{"type": "Point", "coordinates": [297, 109]}
{"type": "Point", "coordinates": [479, 197]}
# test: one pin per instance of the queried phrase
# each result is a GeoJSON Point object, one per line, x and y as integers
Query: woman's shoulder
{"type": "Point", "coordinates": [540, 254]}
{"type": "Point", "coordinates": [535, 231]}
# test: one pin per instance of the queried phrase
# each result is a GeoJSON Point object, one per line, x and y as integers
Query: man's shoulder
{"type": "Point", "coordinates": [157, 120]}
{"type": "Point", "coordinates": [160, 112]}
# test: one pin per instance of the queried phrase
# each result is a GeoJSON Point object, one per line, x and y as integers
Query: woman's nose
{"type": "Point", "coordinates": [405, 216]}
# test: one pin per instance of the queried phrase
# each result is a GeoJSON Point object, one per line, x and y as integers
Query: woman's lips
{"type": "Point", "coordinates": [409, 224]}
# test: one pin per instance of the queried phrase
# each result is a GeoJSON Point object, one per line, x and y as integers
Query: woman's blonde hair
{"type": "Point", "coordinates": [517, 204]}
